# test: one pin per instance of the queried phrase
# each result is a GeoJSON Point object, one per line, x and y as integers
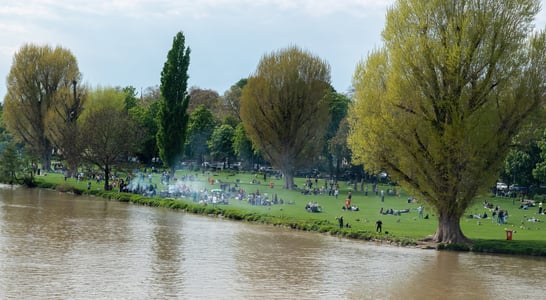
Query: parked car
{"type": "Point", "coordinates": [517, 188]}
{"type": "Point", "coordinates": [501, 186]}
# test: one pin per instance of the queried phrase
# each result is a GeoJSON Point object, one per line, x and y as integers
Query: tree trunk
{"type": "Point", "coordinates": [288, 181]}
{"type": "Point", "coordinates": [449, 228]}
{"type": "Point", "coordinates": [106, 178]}
{"type": "Point", "coordinates": [46, 163]}
{"type": "Point", "coordinates": [172, 171]}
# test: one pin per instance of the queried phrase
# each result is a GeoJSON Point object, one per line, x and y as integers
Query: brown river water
{"type": "Point", "coordinates": [61, 246]}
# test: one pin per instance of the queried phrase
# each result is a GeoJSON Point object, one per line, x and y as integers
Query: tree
{"type": "Point", "coordinates": [144, 113]}
{"type": "Point", "coordinates": [5, 136]}
{"type": "Point", "coordinates": [40, 77]}
{"type": "Point", "coordinates": [173, 118]}
{"type": "Point", "coordinates": [232, 99]}
{"type": "Point", "coordinates": [12, 164]}
{"type": "Point", "coordinates": [62, 126]}
{"type": "Point", "coordinates": [335, 148]}
{"type": "Point", "coordinates": [519, 164]}
{"type": "Point", "coordinates": [107, 132]}
{"type": "Point", "coordinates": [285, 109]}
{"type": "Point", "coordinates": [200, 128]}
{"type": "Point", "coordinates": [209, 98]}
{"type": "Point", "coordinates": [437, 106]}
{"type": "Point", "coordinates": [539, 171]}
{"type": "Point", "coordinates": [221, 144]}
{"type": "Point", "coordinates": [524, 154]}
{"type": "Point", "coordinates": [243, 147]}
{"type": "Point", "coordinates": [131, 99]}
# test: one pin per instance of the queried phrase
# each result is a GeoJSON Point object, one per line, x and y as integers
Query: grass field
{"type": "Point", "coordinates": [526, 235]}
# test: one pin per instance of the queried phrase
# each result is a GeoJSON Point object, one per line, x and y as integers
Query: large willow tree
{"type": "Point", "coordinates": [285, 109]}
{"type": "Point", "coordinates": [437, 106]}
{"type": "Point", "coordinates": [38, 83]}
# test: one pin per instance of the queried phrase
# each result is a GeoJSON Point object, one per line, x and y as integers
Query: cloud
{"type": "Point", "coordinates": [125, 41]}
{"type": "Point", "coordinates": [48, 9]}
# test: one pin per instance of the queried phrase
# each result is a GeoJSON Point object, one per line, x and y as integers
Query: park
{"type": "Point", "coordinates": [401, 221]}
{"type": "Point", "coordinates": [445, 119]}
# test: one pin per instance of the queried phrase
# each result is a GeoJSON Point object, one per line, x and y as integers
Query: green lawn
{"type": "Point", "coordinates": [407, 225]}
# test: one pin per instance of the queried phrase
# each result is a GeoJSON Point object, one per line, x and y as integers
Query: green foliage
{"type": "Point", "coordinates": [539, 172]}
{"type": "Point", "coordinates": [145, 115]}
{"type": "Point", "coordinates": [130, 97]}
{"type": "Point", "coordinates": [5, 136]}
{"type": "Point", "coordinates": [107, 133]}
{"type": "Point", "coordinates": [172, 116]}
{"type": "Point", "coordinates": [221, 143]}
{"type": "Point", "coordinates": [243, 147]}
{"type": "Point", "coordinates": [200, 128]}
{"type": "Point", "coordinates": [285, 109]}
{"type": "Point", "coordinates": [438, 106]}
{"type": "Point", "coordinates": [11, 164]}
{"type": "Point", "coordinates": [209, 98]}
{"type": "Point", "coordinates": [38, 82]}
{"type": "Point", "coordinates": [335, 149]}
{"type": "Point", "coordinates": [232, 99]}
{"type": "Point", "coordinates": [519, 165]}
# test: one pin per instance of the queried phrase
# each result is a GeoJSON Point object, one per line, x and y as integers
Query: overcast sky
{"type": "Point", "coordinates": [125, 42]}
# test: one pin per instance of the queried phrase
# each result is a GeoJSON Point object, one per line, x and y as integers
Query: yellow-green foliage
{"type": "Point", "coordinates": [285, 108]}
{"type": "Point", "coordinates": [438, 105]}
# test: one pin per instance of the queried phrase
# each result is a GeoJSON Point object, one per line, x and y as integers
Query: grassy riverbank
{"type": "Point", "coordinates": [406, 229]}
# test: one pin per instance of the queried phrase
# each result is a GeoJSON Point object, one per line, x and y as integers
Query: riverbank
{"type": "Point", "coordinates": [403, 229]}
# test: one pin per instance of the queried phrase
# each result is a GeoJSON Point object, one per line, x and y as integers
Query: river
{"type": "Point", "coordinates": [60, 246]}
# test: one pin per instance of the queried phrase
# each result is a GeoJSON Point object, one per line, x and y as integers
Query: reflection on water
{"type": "Point", "coordinates": [59, 246]}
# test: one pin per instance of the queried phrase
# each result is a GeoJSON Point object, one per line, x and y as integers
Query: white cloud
{"type": "Point", "coordinates": [124, 42]}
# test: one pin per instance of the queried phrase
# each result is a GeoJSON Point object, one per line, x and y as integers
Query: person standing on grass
{"type": "Point", "coordinates": [540, 208]}
{"type": "Point", "coordinates": [340, 220]}
{"type": "Point", "coordinates": [379, 226]}
{"type": "Point", "coordinates": [420, 210]}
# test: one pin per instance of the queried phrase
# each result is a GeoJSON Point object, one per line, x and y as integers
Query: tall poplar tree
{"type": "Point", "coordinates": [173, 117]}
{"type": "Point", "coordinates": [438, 106]}
{"type": "Point", "coordinates": [285, 109]}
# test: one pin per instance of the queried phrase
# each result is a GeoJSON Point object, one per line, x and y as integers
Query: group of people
{"type": "Point", "coordinates": [395, 212]}
{"type": "Point", "coordinates": [313, 207]}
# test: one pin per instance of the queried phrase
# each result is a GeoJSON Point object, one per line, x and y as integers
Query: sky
{"type": "Point", "coordinates": [122, 43]}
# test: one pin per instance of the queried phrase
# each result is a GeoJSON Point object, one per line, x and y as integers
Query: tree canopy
{"type": "Point", "coordinates": [200, 128]}
{"type": "Point", "coordinates": [221, 144]}
{"type": "Point", "coordinates": [232, 99]}
{"type": "Point", "coordinates": [107, 133]}
{"type": "Point", "coordinates": [285, 109]}
{"type": "Point", "coordinates": [173, 117]}
{"type": "Point", "coordinates": [335, 149]}
{"type": "Point", "coordinates": [62, 126]}
{"type": "Point", "coordinates": [438, 105]}
{"type": "Point", "coordinates": [38, 82]}
{"type": "Point", "coordinates": [144, 113]}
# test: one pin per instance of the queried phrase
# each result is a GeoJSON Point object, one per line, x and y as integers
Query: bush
{"type": "Point", "coordinates": [539, 198]}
